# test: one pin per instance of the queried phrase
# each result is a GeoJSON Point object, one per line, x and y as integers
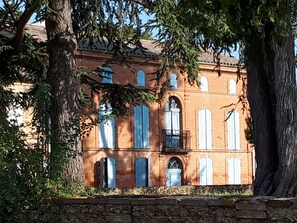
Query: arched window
{"type": "Point", "coordinates": [142, 172]}
{"type": "Point", "coordinates": [205, 173]}
{"type": "Point", "coordinates": [205, 131]}
{"type": "Point", "coordinates": [107, 173]}
{"type": "Point", "coordinates": [174, 172]}
{"type": "Point", "coordinates": [141, 127]}
{"type": "Point", "coordinates": [173, 81]}
{"type": "Point", "coordinates": [106, 127]}
{"type": "Point", "coordinates": [204, 84]}
{"type": "Point", "coordinates": [232, 86]}
{"type": "Point", "coordinates": [172, 123]}
{"type": "Point", "coordinates": [234, 171]}
{"type": "Point", "coordinates": [233, 128]}
{"type": "Point", "coordinates": [140, 78]}
{"type": "Point", "coordinates": [107, 75]}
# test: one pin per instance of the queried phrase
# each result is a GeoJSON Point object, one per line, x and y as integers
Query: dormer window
{"type": "Point", "coordinates": [140, 78]}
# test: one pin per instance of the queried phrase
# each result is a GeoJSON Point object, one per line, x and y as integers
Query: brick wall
{"type": "Point", "coordinates": [191, 99]}
{"type": "Point", "coordinates": [170, 209]}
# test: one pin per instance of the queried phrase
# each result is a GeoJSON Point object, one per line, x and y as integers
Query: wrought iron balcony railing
{"type": "Point", "coordinates": [175, 140]}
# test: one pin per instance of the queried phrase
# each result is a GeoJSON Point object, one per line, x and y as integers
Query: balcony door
{"type": "Point", "coordinates": [172, 123]}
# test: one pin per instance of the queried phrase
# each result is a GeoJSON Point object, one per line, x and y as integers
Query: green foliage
{"type": "Point", "coordinates": [23, 181]}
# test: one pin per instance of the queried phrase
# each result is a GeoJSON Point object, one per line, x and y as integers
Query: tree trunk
{"type": "Point", "coordinates": [272, 95]}
{"type": "Point", "coordinates": [64, 82]}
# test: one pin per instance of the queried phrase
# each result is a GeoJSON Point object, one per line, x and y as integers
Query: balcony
{"type": "Point", "coordinates": [176, 141]}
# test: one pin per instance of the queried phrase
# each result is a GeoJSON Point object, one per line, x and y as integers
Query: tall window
{"type": "Point", "coordinates": [205, 171]}
{"type": "Point", "coordinates": [106, 127]}
{"type": "Point", "coordinates": [173, 81]}
{"type": "Point", "coordinates": [203, 84]}
{"type": "Point", "coordinates": [174, 172]}
{"type": "Point", "coordinates": [140, 78]}
{"type": "Point", "coordinates": [141, 127]}
{"type": "Point", "coordinates": [107, 75]}
{"type": "Point", "coordinates": [142, 172]}
{"type": "Point", "coordinates": [107, 173]}
{"type": "Point", "coordinates": [233, 129]}
{"type": "Point", "coordinates": [232, 86]}
{"type": "Point", "coordinates": [172, 123]}
{"type": "Point", "coordinates": [234, 171]}
{"type": "Point", "coordinates": [205, 132]}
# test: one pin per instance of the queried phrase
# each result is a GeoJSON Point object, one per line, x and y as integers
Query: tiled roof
{"type": "Point", "coordinates": [151, 48]}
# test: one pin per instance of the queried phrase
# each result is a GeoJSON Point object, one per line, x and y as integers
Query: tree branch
{"type": "Point", "coordinates": [20, 28]}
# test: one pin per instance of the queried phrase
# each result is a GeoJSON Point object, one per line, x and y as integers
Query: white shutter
{"type": "Point", "coordinates": [202, 172]}
{"type": "Point", "coordinates": [202, 129]}
{"type": "Point", "coordinates": [204, 84]}
{"type": "Point", "coordinates": [231, 130]}
{"type": "Point", "coordinates": [111, 173]}
{"type": "Point", "coordinates": [209, 171]}
{"type": "Point", "coordinates": [237, 171]}
{"type": "Point", "coordinates": [231, 171]}
{"type": "Point", "coordinates": [237, 130]}
{"type": "Point", "coordinates": [175, 120]}
{"type": "Point", "coordinates": [208, 129]}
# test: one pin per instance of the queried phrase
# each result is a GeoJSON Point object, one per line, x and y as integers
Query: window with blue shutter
{"type": "Point", "coordinates": [107, 75]}
{"type": "Point", "coordinates": [233, 128]}
{"type": "Point", "coordinates": [203, 84]}
{"type": "Point", "coordinates": [107, 173]}
{"type": "Point", "coordinates": [142, 172]}
{"type": "Point", "coordinates": [205, 172]}
{"type": "Point", "coordinates": [141, 127]}
{"type": "Point", "coordinates": [234, 171]}
{"type": "Point", "coordinates": [173, 81]}
{"type": "Point", "coordinates": [232, 86]}
{"type": "Point", "coordinates": [205, 130]}
{"type": "Point", "coordinates": [140, 78]}
{"type": "Point", "coordinates": [106, 127]}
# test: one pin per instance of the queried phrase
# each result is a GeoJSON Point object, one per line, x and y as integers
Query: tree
{"type": "Point", "coordinates": [112, 22]}
{"type": "Point", "coordinates": [265, 29]}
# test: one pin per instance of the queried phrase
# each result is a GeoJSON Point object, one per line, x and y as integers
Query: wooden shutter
{"type": "Point", "coordinates": [202, 129]}
{"type": "Point", "coordinates": [231, 171]}
{"type": "Point", "coordinates": [231, 130]}
{"type": "Point", "coordinates": [202, 172]}
{"type": "Point", "coordinates": [111, 173]}
{"type": "Point", "coordinates": [208, 131]}
{"type": "Point", "coordinates": [237, 171]}
{"type": "Point", "coordinates": [106, 128]}
{"type": "Point", "coordinates": [205, 172]}
{"type": "Point", "coordinates": [145, 127]}
{"type": "Point", "coordinates": [234, 171]}
{"type": "Point", "coordinates": [141, 127]}
{"type": "Point", "coordinates": [137, 127]}
{"type": "Point", "coordinates": [141, 172]}
{"type": "Point", "coordinates": [237, 130]}
{"type": "Point", "coordinates": [102, 173]}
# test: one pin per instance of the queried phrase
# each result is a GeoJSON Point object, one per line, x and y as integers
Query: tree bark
{"type": "Point", "coordinates": [270, 62]}
{"type": "Point", "coordinates": [64, 82]}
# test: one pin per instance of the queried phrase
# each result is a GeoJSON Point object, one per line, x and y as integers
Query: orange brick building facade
{"type": "Point", "coordinates": [186, 139]}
